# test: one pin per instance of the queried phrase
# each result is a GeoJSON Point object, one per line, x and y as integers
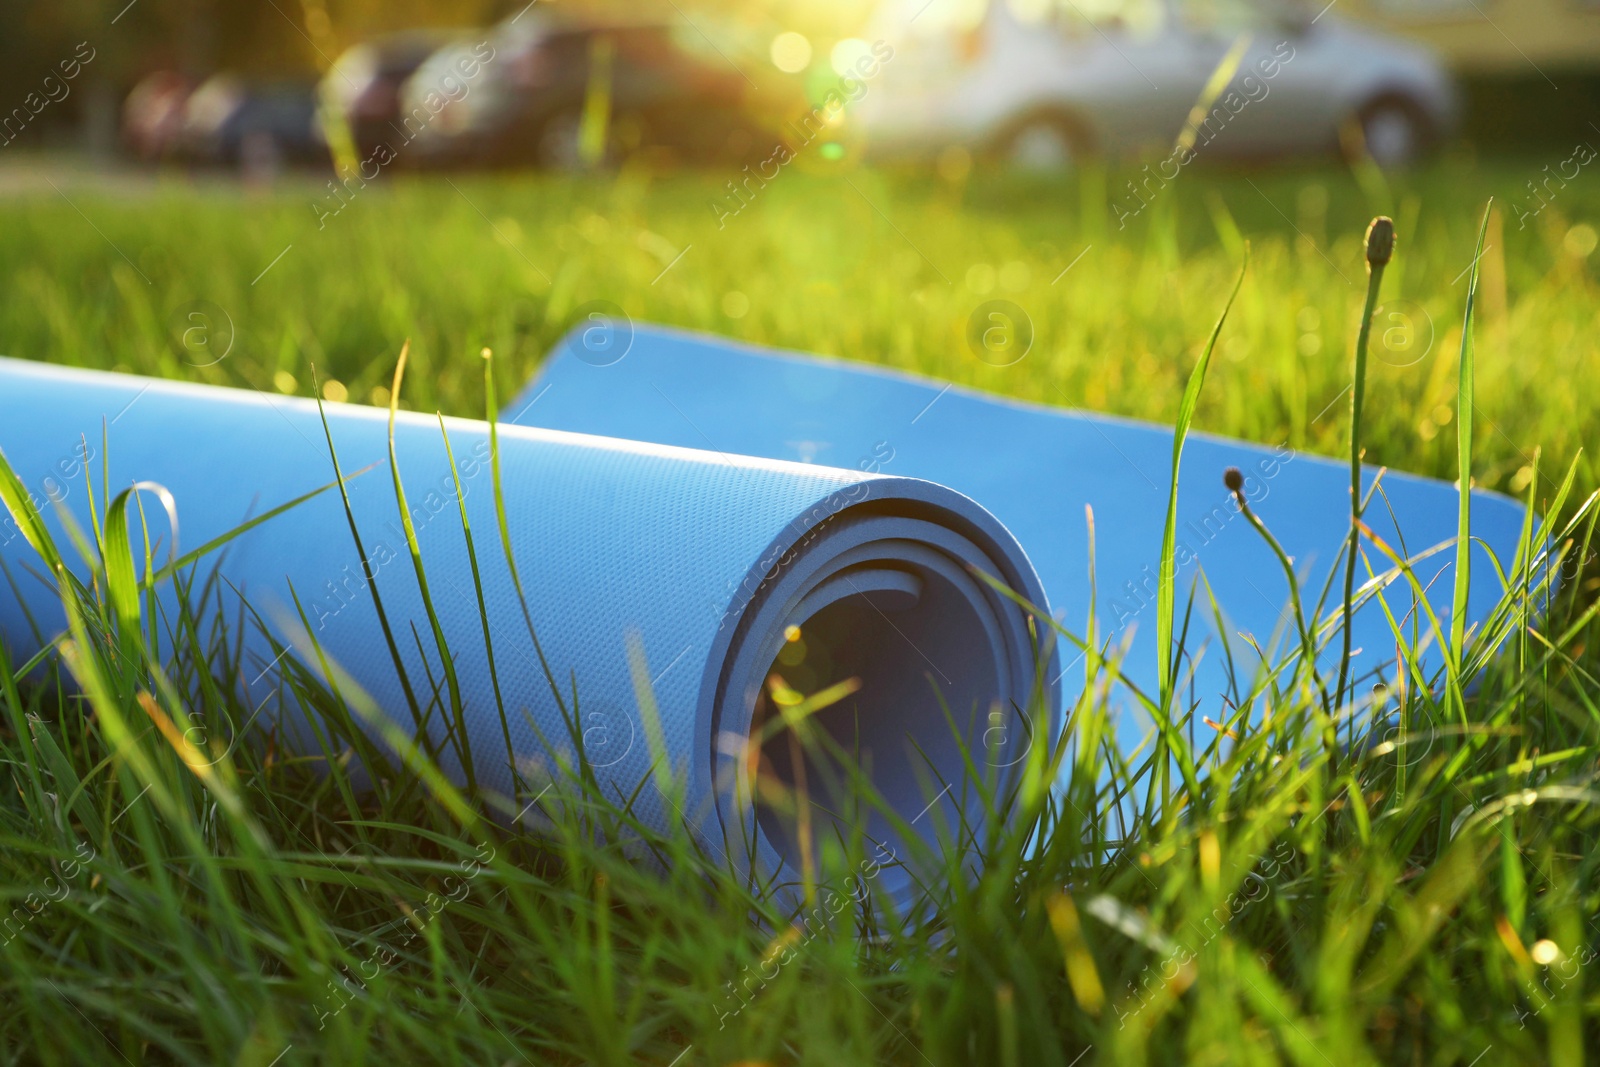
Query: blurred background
{"type": "Point", "coordinates": [262, 85]}
{"type": "Point", "coordinates": [271, 193]}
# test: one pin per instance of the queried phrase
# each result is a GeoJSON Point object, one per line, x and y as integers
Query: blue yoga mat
{"type": "Point", "coordinates": [713, 565]}
{"type": "Point", "coordinates": [1036, 469]}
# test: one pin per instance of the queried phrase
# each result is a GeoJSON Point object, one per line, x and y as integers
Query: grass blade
{"type": "Point", "coordinates": [1464, 410]}
{"type": "Point", "coordinates": [457, 709]}
{"type": "Point", "coordinates": [1168, 573]}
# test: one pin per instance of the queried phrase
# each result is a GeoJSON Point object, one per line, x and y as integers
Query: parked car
{"type": "Point", "coordinates": [554, 93]}
{"type": "Point", "coordinates": [152, 115]}
{"type": "Point", "coordinates": [364, 83]}
{"type": "Point", "coordinates": [229, 122]}
{"type": "Point", "coordinates": [1122, 78]}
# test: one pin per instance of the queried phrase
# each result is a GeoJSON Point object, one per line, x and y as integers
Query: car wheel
{"type": "Point", "coordinates": [1395, 134]}
{"type": "Point", "coordinates": [1042, 145]}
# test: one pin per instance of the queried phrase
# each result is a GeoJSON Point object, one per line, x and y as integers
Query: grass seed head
{"type": "Point", "coordinates": [1380, 241]}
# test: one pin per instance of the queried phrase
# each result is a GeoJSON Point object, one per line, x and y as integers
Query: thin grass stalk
{"type": "Point", "coordinates": [1380, 249]}
{"type": "Point", "coordinates": [483, 610]}
{"type": "Point", "coordinates": [369, 572]}
{"type": "Point", "coordinates": [1234, 479]}
{"type": "Point", "coordinates": [1167, 572]}
{"type": "Point", "coordinates": [457, 709]}
{"type": "Point", "coordinates": [492, 416]}
{"type": "Point", "coordinates": [1464, 410]}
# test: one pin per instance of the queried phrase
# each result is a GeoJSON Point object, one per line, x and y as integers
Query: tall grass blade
{"type": "Point", "coordinates": [1464, 411]}
{"type": "Point", "coordinates": [483, 609]}
{"type": "Point", "coordinates": [492, 416]}
{"type": "Point", "coordinates": [19, 502]}
{"type": "Point", "coordinates": [457, 708]}
{"type": "Point", "coordinates": [369, 572]}
{"type": "Point", "coordinates": [1166, 594]}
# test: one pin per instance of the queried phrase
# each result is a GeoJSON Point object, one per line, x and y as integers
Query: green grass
{"type": "Point", "coordinates": [1429, 898]}
{"type": "Point", "coordinates": [830, 268]}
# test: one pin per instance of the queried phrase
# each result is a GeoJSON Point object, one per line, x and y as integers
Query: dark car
{"type": "Point", "coordinates": [363, 85]}
{"type": "Point", "coordinates": [228, 122]}
{"type": "Point", "coordinates": [566, 96]}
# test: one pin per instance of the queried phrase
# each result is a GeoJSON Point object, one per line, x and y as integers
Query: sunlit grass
{"type": "Point", "coordinates": [884, 269]}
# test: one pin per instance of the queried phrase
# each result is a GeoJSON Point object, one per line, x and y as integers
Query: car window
{"type": "Point", "coordinates": [551, 59]}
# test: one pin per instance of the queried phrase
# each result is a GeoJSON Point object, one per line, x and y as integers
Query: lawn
{"type": "Point", "coordinates": [1403, 902]}
{"type": "Point", "coordinates": [864, 266]}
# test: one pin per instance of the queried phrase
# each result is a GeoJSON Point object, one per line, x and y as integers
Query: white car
{"type": "Point", "coordinates": [1043, 81]}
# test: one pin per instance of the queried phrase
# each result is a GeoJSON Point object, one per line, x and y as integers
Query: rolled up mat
{"type": "Point", "coordinates": [714, 564]}
{"type": "Point", "coordinates": [1036, 468]}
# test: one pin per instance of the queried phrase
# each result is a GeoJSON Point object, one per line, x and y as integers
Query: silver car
{"type": "Point", "coordinates": [1044, 81]}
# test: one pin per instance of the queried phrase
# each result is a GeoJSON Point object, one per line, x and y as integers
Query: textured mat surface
{"type": "Point", "coordinates": [1036, 469]}
{"type": "Point", "coordinates": [703, 560]}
